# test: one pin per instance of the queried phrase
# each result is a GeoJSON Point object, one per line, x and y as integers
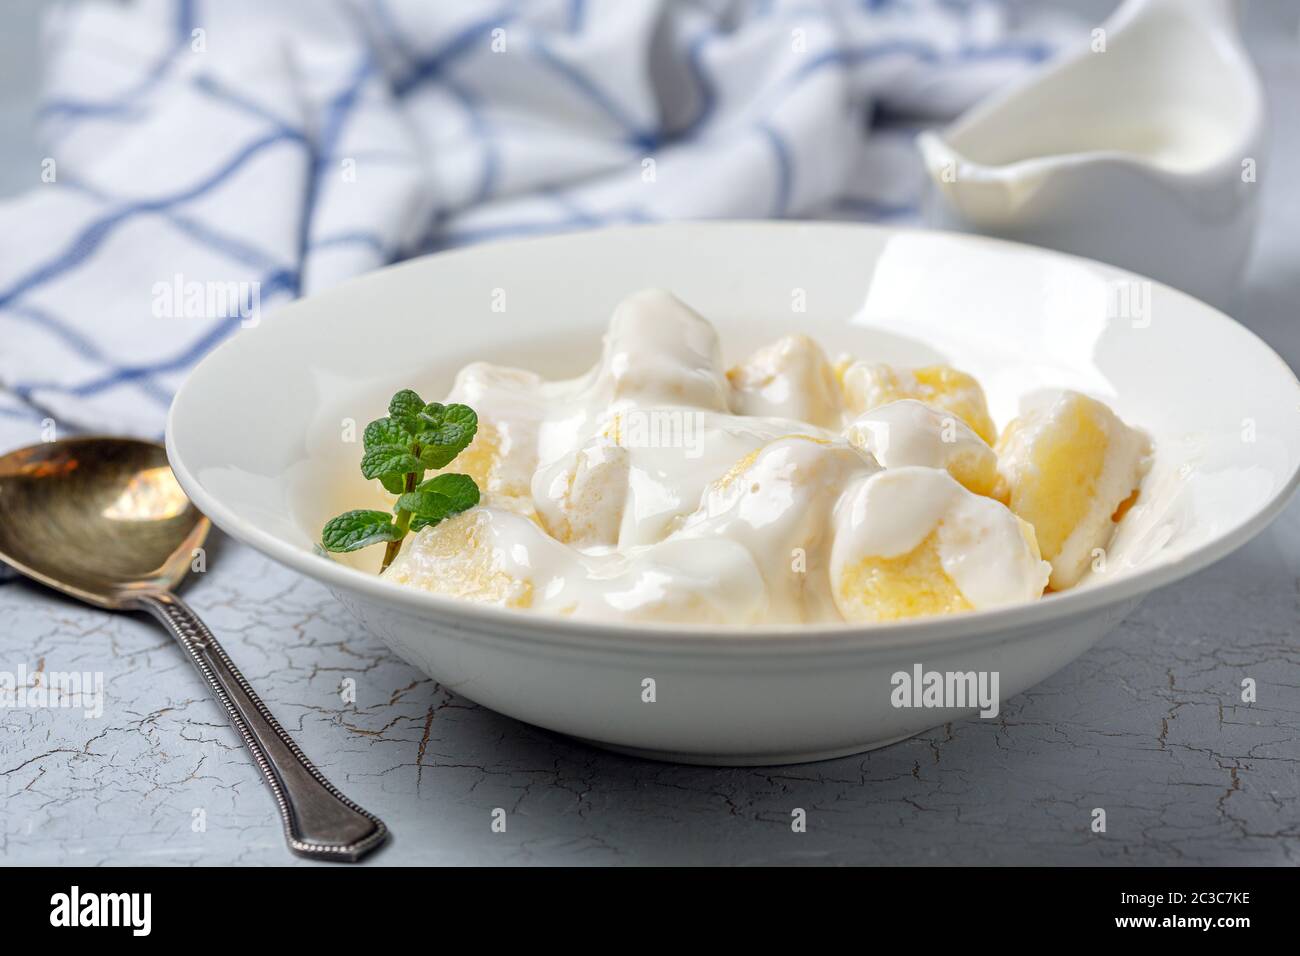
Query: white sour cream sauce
{"type": "Point", "coordinates": [641, 490]}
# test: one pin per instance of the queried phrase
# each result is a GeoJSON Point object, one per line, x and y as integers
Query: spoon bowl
{"type": "Point", "coordinates": [101, 519]}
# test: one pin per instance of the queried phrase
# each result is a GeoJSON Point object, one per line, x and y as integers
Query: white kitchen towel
{"type": "Point", "coordinates": [211, 159]}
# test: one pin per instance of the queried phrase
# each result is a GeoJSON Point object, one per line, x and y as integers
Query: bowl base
{"type": "Point", "coordinates": [741, 760]}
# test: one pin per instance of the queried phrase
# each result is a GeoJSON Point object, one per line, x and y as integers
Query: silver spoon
{"type": "Point", "coordinates": [103, 519]}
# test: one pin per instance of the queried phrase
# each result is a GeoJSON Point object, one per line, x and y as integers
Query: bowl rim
{"type": "Point", "coordinates": [527, 626]}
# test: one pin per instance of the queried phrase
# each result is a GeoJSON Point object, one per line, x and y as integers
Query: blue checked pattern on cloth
{"type": "Point", "coordinates": [291, 144]}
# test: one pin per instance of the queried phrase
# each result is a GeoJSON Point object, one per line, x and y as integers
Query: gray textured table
{"type": "Point", "coordinates": [1149, 725]}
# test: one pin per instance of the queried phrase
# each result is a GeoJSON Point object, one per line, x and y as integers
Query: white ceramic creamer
{"type": "Point", "coordinates": [1140, 149]}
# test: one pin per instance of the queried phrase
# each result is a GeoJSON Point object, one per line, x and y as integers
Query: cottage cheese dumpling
{"type": "Point", "coordinates": [1066, 466]}
{"type": "Point", "coordinates": [492, 556]}
{"type": "Point", "coordinates": [791, 378]}
{"type": "Point", "coordinates": [754, 549]}
{"type": "Point", "coordinates": [867, 386]}
{"type": "Point", "coordinates": [658, 351]}
{"type": "Point", "coordinates": [460, 558]}
{"type": "Point", "coordinates": [912, 542]}
{"type": "Point", "coordinates": [675, 453]}
{"type": "Point", "coordinates": [908, 432]}
{"type": "Point", "coordinates": [503, 455]}
{"type": "Point", "coordinates": [780, 503]}
{"type": "Point", "coordinates": [580, 498]}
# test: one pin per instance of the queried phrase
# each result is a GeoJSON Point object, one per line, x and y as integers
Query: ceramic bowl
{"type": "Point", "coordinates": [264, 438]}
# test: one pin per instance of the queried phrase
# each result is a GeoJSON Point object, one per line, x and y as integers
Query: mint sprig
{"type": "Point", "coordinates": [415, 437]}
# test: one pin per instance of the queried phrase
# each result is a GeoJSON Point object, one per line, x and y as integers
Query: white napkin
{"type": "Point", "coordinates": [208, 161]}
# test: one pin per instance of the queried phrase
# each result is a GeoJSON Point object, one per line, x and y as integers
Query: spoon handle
{"type": "Point", "coordinates": [319, 822]}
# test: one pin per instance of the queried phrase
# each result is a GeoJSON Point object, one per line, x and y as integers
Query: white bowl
{"type": "Point", "coordinates": [258, 438]}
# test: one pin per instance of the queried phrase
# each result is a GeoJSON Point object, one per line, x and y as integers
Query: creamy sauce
{"type": "Point", "coordinates": [659, 486]}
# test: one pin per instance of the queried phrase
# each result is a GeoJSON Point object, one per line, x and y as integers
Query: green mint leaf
{"type": "Point", "coordinates": [385, 431]}
{"type": "Point", "coordinates": [448, 424]}
{"type": "Point", "coordinates": [405, 409]}
{"type": "Point", "coordinates": [394, 483]}
{"type": "Point", "coordinates": [358, 529]}
{"type": "Point", "coordinates": [440, 497]}
{"type": "Point", "coordinates": [445, 431]}
{"type": "Point", "coordinates": [460, 490]}
{"type": "Point", "coordinates": [388, 460]}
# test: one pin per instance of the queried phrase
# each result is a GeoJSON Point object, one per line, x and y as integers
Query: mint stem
{"type": "Point", "coordinates": [403, 519]}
